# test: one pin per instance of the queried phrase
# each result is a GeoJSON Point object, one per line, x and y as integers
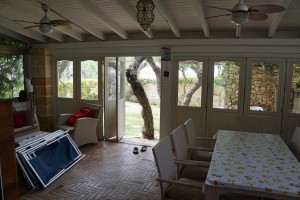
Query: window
{"type": "Point", "coordinates": [89, 79]}
{"type": "Point", "coordinates": [295, 89]}
{"type": "Point", "coordinates": [11, 67]}
{"type": "Point", "coordinates": [65, 78]}
{"type": "Point", "coordinates": [226, 85]}
{"type": "Point", "coordinates": [264, 86]}
{"type": "Point", "coordinates": [190, 83]}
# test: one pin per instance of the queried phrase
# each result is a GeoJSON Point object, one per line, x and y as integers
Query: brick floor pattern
{"type": "Point", "coordinates": [109, 171]}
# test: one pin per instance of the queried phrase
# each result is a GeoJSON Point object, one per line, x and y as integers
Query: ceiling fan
{"type": "Point", "coordinates": [241, 13]}
{"type": "Point", "coordinates": [46, 25]}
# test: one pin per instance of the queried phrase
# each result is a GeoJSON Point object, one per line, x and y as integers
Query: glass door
{"type": "Point", "coordinates": [264, 97]}
{"type": "Point", "coordinates": [190, 93]}
{"type": "Point", "coordinates": [114, 110]}
{"type": "Point", "coordinates": [226, 78]}
{"type": "Point", "coordinates": [291, 118]}
{"type": "Point", "coordinates": [65, 86]}
{"type": "Point", "coordinates": [90, 87]}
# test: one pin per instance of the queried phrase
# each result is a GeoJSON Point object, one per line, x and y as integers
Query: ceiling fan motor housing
{"type": "Point", "coordinates": [240, 13]}
{"type": "Point", "coordinates": [45, 25]}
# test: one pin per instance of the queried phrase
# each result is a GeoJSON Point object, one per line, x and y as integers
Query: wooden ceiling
{"type": "Point", "coordinates": [114, 20]}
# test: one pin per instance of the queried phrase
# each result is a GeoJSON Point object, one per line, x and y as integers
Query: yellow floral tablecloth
{"type": "Point", "coordinates": [254, 161]}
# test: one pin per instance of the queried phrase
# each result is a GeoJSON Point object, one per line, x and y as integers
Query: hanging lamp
{"type": "Point", "coordinates": [145, 15]}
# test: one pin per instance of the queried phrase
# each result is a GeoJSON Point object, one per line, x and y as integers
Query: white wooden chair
{"type": "Point", "coordinates": [197, 152]}
{"type": "Point", "coordinates": [195, 169]}
{"type": "Point", "coordinates": [85, 129]}
{"type": "Point", "coordinates": [172, 188]}
{"type": "Point", "coordinates": [295, 143]}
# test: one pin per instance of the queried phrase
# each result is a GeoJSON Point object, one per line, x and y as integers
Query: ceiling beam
{"type": "Point", "coordinates": [13, 34]}
{"type": "Point", "coordinates": [72, 18]}
{"type": "Point", "coordinates": [72, 33]}
{"type": "Point", "coordinates": [201, 12]}
{"type": "Point", "coordinates": [277, 19]}
{"type": "Point", "coordinates": [127, 8]}
{"type": "Point", "coordinates": [165, 14]}
{"type": "Point", "coordinates": [19, 29]}
{"type": "Point", "coordinates": [101, 17]}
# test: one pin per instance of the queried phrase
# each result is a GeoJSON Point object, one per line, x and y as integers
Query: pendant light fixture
{"type": "Point", "coordinates": [145, 15]}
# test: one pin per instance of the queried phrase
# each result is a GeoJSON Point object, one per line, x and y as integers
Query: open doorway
{"type": "Point", "coordinates": [142, 96]}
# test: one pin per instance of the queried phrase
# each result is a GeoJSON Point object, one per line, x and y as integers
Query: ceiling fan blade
{"type": "Point", "coordinates": [217, 16]}
{"type": "Point", "coordinates": [257, 16]}
{"type": "Point", "coordinates": [31, 26]}
{"type": "Point", "coordinates": [266, 9]}
{"type": "Point", "coordinates": [63, 27]}
{"type": "Point", "coordinates": [26, 21]}
{"type": "Point", "coordinates": [60, 22]}
{"type": "Point", "coordinates": [229, 10]}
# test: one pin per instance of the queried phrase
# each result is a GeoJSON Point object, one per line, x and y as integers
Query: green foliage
{"type": "Point", "coordinates": [188, 80]}
{"type": "Point", "coordinates": [11, 42]}
{"type": "Point", "coordinates": [11, 75]}
{"type": "Point", "coordinates": [219, 81]}
{"type": "Point", "coordinates": [89, 89]}
{"type": "Point", "coordinates": [66, 89]}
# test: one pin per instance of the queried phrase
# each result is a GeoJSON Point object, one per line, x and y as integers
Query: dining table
{"type": "Point", "coordinates": [257, 164]}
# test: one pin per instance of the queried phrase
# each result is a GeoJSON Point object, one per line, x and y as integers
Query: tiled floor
{"type": "Point", "coordinates": [108, 171]}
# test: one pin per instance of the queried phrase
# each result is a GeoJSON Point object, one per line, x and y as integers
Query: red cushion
{"type": "Point", "coordinates": [78, 114]}
{"type": "Point", "coordinates": [71, 120]}
{"type": "Point", "coordinates": [87, 112]}
{"type": "Point", "coordinates": [83, 112]}
{"type": "Point", "coordinates": [19, 119]}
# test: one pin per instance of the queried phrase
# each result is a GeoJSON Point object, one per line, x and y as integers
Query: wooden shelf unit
{"type": "Point", "coordinates": [7, 152]}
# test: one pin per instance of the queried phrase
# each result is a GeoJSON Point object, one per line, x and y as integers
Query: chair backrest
{"type": "Point", "coordinates": [190, 132]}
{"type": "Point", "coordinates": [164, 160]}
{"type": "Point", "coordinates": [295, 142]}
{"type": "Point", "coordinates": [97, 109]}
{"type": "Point", "coordinates": [179, 143]}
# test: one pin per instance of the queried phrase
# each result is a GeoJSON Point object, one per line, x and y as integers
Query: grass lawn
{"type": "Point", "coordinates": [134, 121]}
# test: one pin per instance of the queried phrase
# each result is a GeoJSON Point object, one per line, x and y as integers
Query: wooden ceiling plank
{"type": "Point", "coordinates": [127, 8]}
{"type": "Point", "coordinates": [75, 20]}
{"type": "Point", "coordinates": [277, 19]}
{"type": "Point", "coordinates": [28, 33]}
{"type": "Point", "coordinates": [14, 35]}
{"type": "Point", "coordinates": [101, 17]}
{"type": "Point", "coordinates": [167, 16]}
{"type": "Point", "coordinates": [72, 34]}
{"type": "Point", "coordinates": [200, 9]}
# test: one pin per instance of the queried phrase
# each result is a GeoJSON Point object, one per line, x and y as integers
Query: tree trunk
{"type": "Point", "coordinates": [157, 72]}
{"type": "Point", "coordinates": [139, 92]}
{"type": "Point", "coordinates": [194, 88]}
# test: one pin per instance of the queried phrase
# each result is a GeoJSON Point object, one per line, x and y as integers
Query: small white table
{"type": "Point", "coordinates": [252, 163]}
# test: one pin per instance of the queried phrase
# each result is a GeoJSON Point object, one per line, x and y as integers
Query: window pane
{"type": "Point", "coordinates": [89, 79]}
{"type": "Point", "coordinates": [190, 83]}
{"type": "Point", "coordinates": [226, 85]}
{"type": "Point", "coordinates": [65, 78]}
{"type": "Point", "coordinates": [121, 78]}
{"type": "Point", "coordinates": [264, 86]}
{"type": "Point", "coordinates": [11, 75]}
{"type": "Point", "coordinates": [111, 73]}
{"type": "Point", "coordinates": [295, 90]}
